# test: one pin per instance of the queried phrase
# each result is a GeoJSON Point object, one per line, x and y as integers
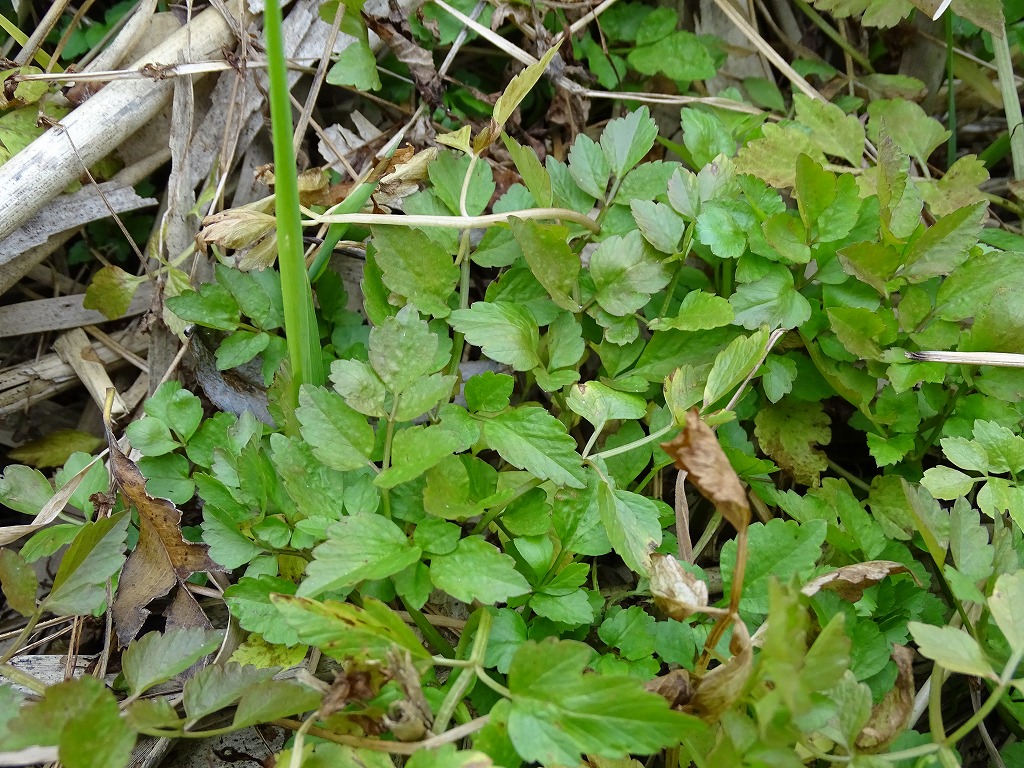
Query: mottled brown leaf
{"type": "Point", "coordinates": [719, 689]}
{"type": "Point", "coordinates": [697, 450]}
{"type": "Point", "coordinates": [850, 581]}
{"type": "Point", "coordinates": [891, 716]}
{"type": "Point", "coordinates": [675, 687]}
{"type": "Point", "coordinates": [162, 557]}
{"type": "Point", "coordinates": [677, 592]}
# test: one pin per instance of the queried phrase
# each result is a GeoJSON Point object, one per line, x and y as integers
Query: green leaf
{"type": "Point", "coordinates": [699, 311]}
{"type": "Point", "coordinates": [358, 547]}
{"type": "Point", "coordinates": [773, 157]}
{"type": "Point", "coordinates": [626, 271]}
{"type": "Point", "coordinates": [18, 581]}
{"type": "Point", "coordinates": [705, 136]}
{"type": "Point", "coordinates": [111, 291]}
{"type": "Point", "coordinates": [679, 56]}
{"type": "Point", "coordinates": [780, 549]}
{"type": "Point", "coordinates": [588, 166]}
{"type": "Point", "coordinates": [772, 300]}
{"type": "Point", "coordinates": [947, 483]}
{"type": "Point", "coordinates": [630, 630]}
{"type": "Point", "coordinates": [912, 130]}
{"type": "Point", "coordinates": [598, 403]}
{"type": "Point", "coordinates": [424, 394]}
{"type": "Point", "coordinates": [489, 392]}
{"type": "Point", "coordinates": [95, 555]}
{"type": "Point", "coordinates": [228, 546]}
{"type": "Point", "coordinates": [344, 630]}
{"type": "Point", "coordinates": [557, 712]}
{"type": "Point", "coordinates": [447, 756]}
{"type": "Point", "coordinates": [628, 139]}
{"type": "Point", "coordinates": [951, 648]}
{"type": "Point", "coordinates": [632, 525]}
{"type": "Point", "coordinates": [356, 66]}
{"type": "Point", "coordinates": [417, 449]}
{"type": "Point", "coordinates": [789, 433]}
{"type": "Point", "coordinates": [448, 174]}
{"type": "Point", "coordinates": [573, 609]}
{"type": "Point", "coordinates": [552, 262]}
{"type": "Point", "coordinates": [239, 348]}
{"type": "Point", "coordinates": [778, 376]}
{"type": "Point", "coordinates": [534, 176]}
{"type": "Point", "coordinates": [723, 226]}
{"type": "Point", "coordinates": [249, 601]}
{"type": "Point", "coordinates": [274, 699]}
{"type": "Point", "coordinates": [1003, 449]}
{"type": "Point", "coordinates": [178, 408]}
{"type": "Point", "coordinates": [660, 225]}
{"type": "Point", "coordinates": [360, 387]}
{"type": "Point", "coordinates": [151, 437]}
{"type": "Point", "coordinates": [1004, 604]}
{"type": "Point", "coordinates": [339, 436]}
{"type": "Point", "coordinates": [217, 686]}
{"type": "Point", "coordinates": [157, 657]}
{"type": "Point", "coordinates": [832, 130]}
{"type": "Point", "coordinates": [477, 570]}
{"type": "Point", "coordinates": [416, 267]}
{"type": "Point", "coordinates": [945, 245]}
{"type": "Point", "coordinates": [531, 438]}
{"type": "Point", "coordinates": [508, 632]}
{"type": "Point", "coordinates": [506, 332]}
{"type": "Point", "coordinates": [212, 306]}
{"type": "Point", "coordinates": [733, 364]}
{"type": "Point", "coordinates": [81, 718]}
{"type": "Point", "coordinates": [519, 86]}
{"type": "Point", "coordinates": [402, 349]}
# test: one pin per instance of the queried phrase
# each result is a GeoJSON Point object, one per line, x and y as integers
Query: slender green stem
{"type": "Point", "coordinates": [429, 631]}
{"type": "Point", "coordinates": [831, 33]}
{"type": "Point", "coordinates": [847, 475]}
{"type": "Point", "coordinates": [497, 509]}
{"type": "Point", "coordinates": [300, 323]}
{"type": "Point", "coordinates": [19, 641]}
{"type": "Point", "coordinates": [950, 92]}
{"type": "Point", "coordinates": [493, 684]}
{"type": "Point", "coordinates": [466, 677]}
{"type": "Point", "coordinates": [1011, 102]}
{"type": "Point", "coordinates": [636, 443]}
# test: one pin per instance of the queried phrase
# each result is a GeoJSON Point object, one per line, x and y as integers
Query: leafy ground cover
{"type": "Point", "coordinates": [640, 437]}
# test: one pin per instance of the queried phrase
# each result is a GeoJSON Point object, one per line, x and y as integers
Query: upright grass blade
{"type": "Point", "coordinates": [299, 320]}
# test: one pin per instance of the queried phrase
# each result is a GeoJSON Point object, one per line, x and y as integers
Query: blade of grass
{"type": "Point", "coordinates": [1011, 102]}
{"type": "Point", "coordinates": [300, 322]}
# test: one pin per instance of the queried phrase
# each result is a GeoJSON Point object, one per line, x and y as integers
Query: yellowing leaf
{"type": "Point", "coordinates": [790, 432]}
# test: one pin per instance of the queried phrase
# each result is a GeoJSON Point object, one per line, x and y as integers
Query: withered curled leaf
{"type": "Point", "coordinates": [719, 689]}
{"type": "Point", "coordinates": [891, 716]}
{"type": "Point", "coordinates": [677, 592]}
{"type": "Point", "coordinates": [850, 581]}
{"type": "Point", "coordinates": [697, 450]}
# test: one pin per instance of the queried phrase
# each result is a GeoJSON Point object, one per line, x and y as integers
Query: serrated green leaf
{"type": "Point", "coordinates": [274, 699]}
{"type": "Point", "coordinates": [358, 547]}
{"type": "Point", "coordinates": [534, 176]}
{"type": "Point", "coordinates": [24, 489]}
{"type": "Point", "coordinates": [339, 436]}
{"type": "Point", "coordinates": [95, 555]}
{"type": "Point", "coordinates": [489, 392]}
{"type": "Point", "coordinates": [531, 438]}
{"type": "Point", "coordinates": [773, 157]}
{"type": "Point", "coordinates": [588, 166]}
{"type": "Point", "coordinates": [832, 130]}
{"type": "Point", "coordinates": [212, 306]}
{"type": "Point", "coordinates": [705, 136]}
{"type": "Point", "coordinates": [945, 245]}
{"type": "Point", "coordinates": [416, 267]}
{"type": "Point", "coordinates": [660, 225]}
{"type": "Point", "coordinates": [557, 712]}
{"type": "Point", "coordinates": [1004, 603]}
{"type": "Point", "coordinates": [632, 525]}
{"type": "Point", "coordinates": [598, 403]}
{"type": "Point", "coordinates": [111, 291]}
{"type": "Point", "coordinates": [951, 648]}
{"type": "Point", "coordinates": [151, 437]}
{"type": "Point", "coordinates": [519, 86]}
{"type": "Point", "coordinates": [249, 601]}
{"type": "Point", "coordinates": [723, 226]}
{"type": "Point", "coordinates": [402, 349]}
{"type": "Point", "coordinates": [733, 364]}
{"type": "Point", "coordinates": [679, 56]}
{"type": "Point", "coordinates": [360, 387]}
{"type": "Point", "coordinates": [218, 686]}
{"type": "Point", "coordinates": [698, 311]}
{"type": "Point", "coordinates": [626, 271]}
{"type": "Point", "coordinates": [552, 262]}
{"type": "Point", "coordinates": [947, 483]}
{"type": "Point", "coordinates": [476, 570]}
{"type": "Point", "coordinates": [772, 300]}
{"type": "Point", "coordinates": [157, 657]}
{"type": "Point", "coordinates": [573, 609]}
{"type": "Point", "coordinates": [417, 449]}
{"type": "Point", "coordinates": [626, 140]}
{"type": "Point", "coordinates": [506, 332]}
{"type": "Point", "coordinates": [907, 125]}
{"type": "Point", "coordinates": [630, 630]}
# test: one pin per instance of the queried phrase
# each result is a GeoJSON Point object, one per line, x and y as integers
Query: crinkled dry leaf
{"type": "Point", "coordinates": [891, 716]}
{"type": "Point", "coordinates": [697, 450]}
{"type": "Point", "coordinates": [235, 228]}
{"type": "Point", "coordinates": [850, 581]}
{"type": "Point", "coordinates": [677, 592]}
{"type": "Point", "coordinates": [719, 689]}
{"type": "Point", "coordinates": [160, 559]}
{"type": "Point", "coordinates": [675, 687]}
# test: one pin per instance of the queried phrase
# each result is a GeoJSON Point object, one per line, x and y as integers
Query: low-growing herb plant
{"type": "Point", "coordinates": [501, 558]}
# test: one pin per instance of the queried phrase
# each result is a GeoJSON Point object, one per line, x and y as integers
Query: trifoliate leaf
{"type": "Point", "coordinates": [95, 555]}
{"type": "Point", "coordinates": [416, 449]}
{"type": "Point", "coordinates": [772, 300]}
{"type": "Point", "coordinates": [477, 570]}
{"type": "Point", "coordinates": [558, 713]}
{"type": "Point", "coordinates": [506, 332]}
{"type": "Point", "coordinates": [628, 139]}
{"type": "Point", "coordinates": [358, 547]}
{"type": "Point", "coordinates": [489, 392]}
{"type": "Point", "coordinates": [531, 438]}
{"type": "Point", "coordinates": [630, 630]}
{"type": "Point", "coordinates": [789, 433]}
{"type": "Point", "coordinates": [626, 271]}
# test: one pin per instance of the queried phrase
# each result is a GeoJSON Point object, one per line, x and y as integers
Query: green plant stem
{"type": "Point", "coordinates": [19, 641]}
{"type": "Point", "coordinates": [496, 510]}
{"type": "Point", "coordinates": [24, 679]}
{"type": "Point", "coordinates": [493, 684]}
{"type": "Point", "coordinates": [466, 677]}
{"type": "Point", "coordinates": [429, 631]}
{"type": "Point", "coordinates": [300, 323]}
{"type": "Point", "coordinates": [847, 475]}
{"type": "Point", "coordinates": [636, 443]}
{"type": "Point", "coordinates": [1011, 102]}
{"type": "Point", "coordinates": [833, 35]}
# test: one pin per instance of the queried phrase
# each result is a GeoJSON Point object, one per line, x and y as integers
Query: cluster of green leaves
{"type": "Point", "coordinates": [407, 481]}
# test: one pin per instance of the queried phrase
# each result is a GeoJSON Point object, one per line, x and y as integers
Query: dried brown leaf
{"type": "Point", "coordinates": [677, 592]}
{"type": "Point", "coordinates": [675, 687]}
{"type": "Point", "coordinates": [235, 228]}
{"type": "Point", "coordinates": [850, 581]}
{"type": "Point", "coordinates": [697, 450]}
{"type": "Point", "coordinates": [719, 689]}
{"type": "Point", "coordinates": [162, 557]}
{"type": "Point", "coordinates": [891, 716]}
